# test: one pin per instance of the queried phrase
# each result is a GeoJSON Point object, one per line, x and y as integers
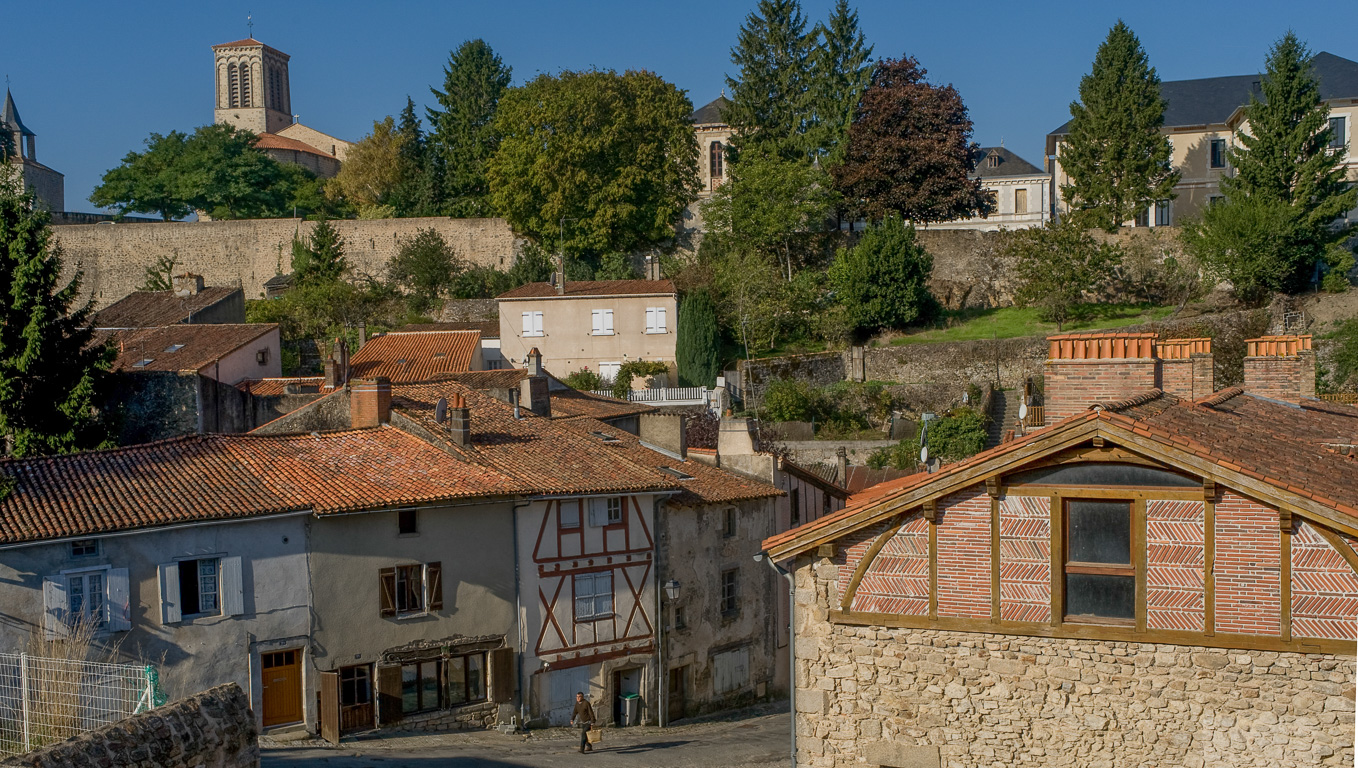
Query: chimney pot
{"type": "Point", "coordinates": [187, 284]}
{"type": "Point", "coordinates": [369, 402]}
{"type": "Point", "coordinates": [460, 421]}
{"type": "Point", "coordinates": [1280, 368]}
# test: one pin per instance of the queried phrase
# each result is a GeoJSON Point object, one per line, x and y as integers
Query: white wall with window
{"type": "Point", "coordinates": [601, 322]}
{"type": "Point", "coordinates": [657, 320]}
{"type": "Point", "coordinates": [532, 323]}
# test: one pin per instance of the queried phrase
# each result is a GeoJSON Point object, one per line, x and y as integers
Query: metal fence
{"type": "Point", "coordinates": [663, 395]}
{"type": "Point", "coordinates": [46, 700]}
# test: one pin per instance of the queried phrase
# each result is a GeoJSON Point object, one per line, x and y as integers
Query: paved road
{"type": "Point", "coordinates": [754, 741]}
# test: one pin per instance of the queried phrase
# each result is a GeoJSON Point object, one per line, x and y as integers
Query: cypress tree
{"type": "Point", "coordinates": [1115, 155]}
{"type": "Point", "coordinates": [770, 106]}
{"type": "Point", "coordinates": [699, 345]}
{"type": "Point", "coordinates": [53, 379]}
{"type": "Point", "coordinates": [840, 72]}
{"type": "Point", "coordinates": [462, 132]}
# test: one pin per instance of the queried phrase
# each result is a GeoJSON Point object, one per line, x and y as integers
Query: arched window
{"type": "Point", "coordinates": [715, 163]}
{"type": "Point", "coordinates": [233, 85]}
{"type": "Point", "coordinates": [245, 95]}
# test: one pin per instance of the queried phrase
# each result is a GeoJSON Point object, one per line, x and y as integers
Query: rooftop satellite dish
{"type": "Point", "coordinates": [924, 455]}
{"type": "Point", "coordinates": [441, 410]}
{"type": "Point", "coordinates": [1023, 411]}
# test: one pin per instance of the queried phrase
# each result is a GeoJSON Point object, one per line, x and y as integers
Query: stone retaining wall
{"type": "Point", "coordinates": [934, 698]}
{"type": "Point", "coordinates": [476, 716]}
{"type": "Point", "coordinates": [212, 729]}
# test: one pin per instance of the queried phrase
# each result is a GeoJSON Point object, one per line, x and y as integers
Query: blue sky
{"type": "Point", "coordinates": [93, 79]}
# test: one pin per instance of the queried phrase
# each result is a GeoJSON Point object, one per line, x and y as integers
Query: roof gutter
{"type": "Point", "coordinates": [152, 529]}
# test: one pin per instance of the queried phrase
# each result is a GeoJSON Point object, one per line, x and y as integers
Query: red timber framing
{"type": "Point", "coordinates": [1219, 565]}
{"type": "Point", "coordinates": [568, 546]}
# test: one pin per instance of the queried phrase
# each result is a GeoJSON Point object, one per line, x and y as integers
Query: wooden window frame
{"type": "Point", "coordinates": [730, 601]}
{"type": "Point", "coordinates": [448, 679]}
{"type": "Point", "coordinates": [440, 688]}
{"type": "Point", "coordinates": [1069, 566]}
{"type": "Point", "coordinates": [594, 595]}
{"type": "Point", "coordinates": [407, 522]}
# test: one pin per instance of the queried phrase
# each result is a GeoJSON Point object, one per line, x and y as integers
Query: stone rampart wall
{"type": "Point", "coordinates": [213, 729]}
{"type": "Point", "coordinates": [247, 253]}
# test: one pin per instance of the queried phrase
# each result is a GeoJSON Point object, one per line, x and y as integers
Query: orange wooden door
{"type": "Point", "coordinates": [282, 675]}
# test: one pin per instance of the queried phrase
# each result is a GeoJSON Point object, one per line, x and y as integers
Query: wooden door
{"type": "Point", "coordinates": [281, 672]}
{"type": "Point", "coordinates": [330, 707]}
{"type": "Point", "coordinates": [678, 693]}
{"type": "Point", "coordinates": [355, 698]}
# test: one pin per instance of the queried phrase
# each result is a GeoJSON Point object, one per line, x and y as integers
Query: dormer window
{"type": "Point", "coordinates": [992, 160]}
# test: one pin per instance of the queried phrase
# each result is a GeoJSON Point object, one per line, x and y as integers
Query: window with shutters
{"type": "Point", "coordinates": [570, 513]}
{"type": "Point", "coordinates": [87, 599]}
{"type": "Point", "coordinates": [532, 324]}
{"type": "Point", "coordinates": [94, 597]}
{"type": "Point", "coordinates": [198, 587]}
{"type": "Point", "coordinates": [466, 679]}
{"type": "Point", "coordinates": [593, 596]}
{"type": "Point", "coordinates": [1099, 578]}
{"type": "Point", "coordinates": [202, 586]}
{"type": "Point", "coordinates": [603, 322]}
{"type": "Point", "coordinates": [1020, 201]}
{"type": "Point", "coordinates": [656, 321]}
{"type": "Point", "coordinates": [411, 590]}
{"type": "Point", "coordinates": [605, 512]}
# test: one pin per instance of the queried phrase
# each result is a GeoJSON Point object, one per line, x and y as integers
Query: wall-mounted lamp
{"type": "Point", "coordinates": [672, 589]}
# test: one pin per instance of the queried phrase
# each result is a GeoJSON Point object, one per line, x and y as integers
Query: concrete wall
{"type": "Point", "coordinates": [568, 343]}
{"type": "Point", "coordinates": [196, 653]}
{"type": "Point", "coordinates": [245, 363]}
{"type": "Point", "coordinates": [247, 253]}
{"type": "Point", "coordinates": [212, 729]}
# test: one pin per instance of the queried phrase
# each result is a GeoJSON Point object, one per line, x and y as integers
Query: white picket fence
{"type": "Point", "coordinates": [663, 395]}
{"type": "Point", "coordinates": [46, 700]}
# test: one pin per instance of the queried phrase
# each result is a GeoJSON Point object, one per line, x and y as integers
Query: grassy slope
{"type": "Point", "coordinates": [1010, 322]}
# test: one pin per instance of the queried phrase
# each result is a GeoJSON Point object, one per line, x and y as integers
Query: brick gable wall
{"type": "Point", "coordinates": [1175, 554]}
{"type": "Point", "coordinates": [1025, 558]}
{"type": "Point", "coordinates": [1248, 567]}
{"type": "Point", "coordinates": [963, 540]}
{"type": "Point", "coordinates": [1324, 588]}
{"type": "Point", "coordinates": [897, 582]}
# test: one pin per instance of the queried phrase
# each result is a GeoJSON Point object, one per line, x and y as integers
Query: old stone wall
{"type": "Point", "coordinates": [247, 253]}
{"type": "Point", "coordinates": [472, 716]}
{"type": "Point", "coordinates": [213, 729]}
{"type": "Point", "coordinates": [885, 696]}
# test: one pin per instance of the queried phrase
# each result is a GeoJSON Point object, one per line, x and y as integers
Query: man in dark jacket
{"type": "Point", "coordinates": [583, 716]}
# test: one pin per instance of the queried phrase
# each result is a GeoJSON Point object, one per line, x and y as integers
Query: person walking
{"type": "Point", "coordinates": [583, 716]}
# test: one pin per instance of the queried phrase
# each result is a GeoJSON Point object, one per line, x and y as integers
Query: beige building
{"type": "Point", "coordinates": [598, 324]}
{"type": "Point", "coordinates": [47, 185]}
{"type": "Point", "coordinates": [1022, 192]}
{"type": "Point", "coordinates": [1202, 118]}
{"type": "Point", "coordinates": [253, 93]}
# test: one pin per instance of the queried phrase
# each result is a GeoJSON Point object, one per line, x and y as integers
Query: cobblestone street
{"type": "Point", "coordinates": [754, 739]}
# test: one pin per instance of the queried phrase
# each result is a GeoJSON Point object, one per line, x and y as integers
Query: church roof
{"type": "Point", "coordinates": [274, 141]}
{"type": "Point", "coordinates": [710, 113]}
{"type": "Point", "coordinates": [250, 42]}
{"type": "Point", "coordinates": [10, 116]}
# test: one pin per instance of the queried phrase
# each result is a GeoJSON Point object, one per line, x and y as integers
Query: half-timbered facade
{"type": "Point", "coordinates": [1151, 580]}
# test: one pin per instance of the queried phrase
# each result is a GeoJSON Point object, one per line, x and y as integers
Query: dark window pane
{"type": "Point", "coordinates": [429, 685]}
{"type": "Point", "coordinates": [1103, 474]}
{"type": "Point", "coordinates": [1110, 597]}
{"type": "Point", "coordinates": [457, 680]}
{"type": "Point", "coordinates": [476, 677]}
{"type": "Point", "coordinates": [410, 688]}
{"type": "Point", "coordinates": [1100, 532]}
{"type": "Point", "coordinates": [188, 587]}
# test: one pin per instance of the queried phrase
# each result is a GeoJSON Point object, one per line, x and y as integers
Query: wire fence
{"type": "Point", "coordinates": [45, 700]}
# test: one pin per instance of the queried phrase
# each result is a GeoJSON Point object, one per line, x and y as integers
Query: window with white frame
{"type": "Point", "coordinates": [532, 323]}
{"type": "Point", "coordinates": [603, 512]}
{"type": "Point", "coordinates": [198, 587]}
{"type": "Point", "coordinates": [656, 322]}
{"type": "Point", "coordinates": [86, 599]}
{"type": "Point", "coordinates": [593, 596]}
{"type": "Point", "coordinates": [201, 586]}
{"type": "Point", "coordinates": [1338, 135]}
{"type": "Point", "coordinates": [95, 597]}
{"type": "Point", "coordinates": [602, 320]}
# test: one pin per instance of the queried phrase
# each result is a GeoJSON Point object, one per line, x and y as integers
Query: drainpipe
{"type": "Point", "coordinates": [518, 616]}
{"type": "Point", "coordinates": [791, 643]}
{"type": "Point", "coordinates": [662, 703]}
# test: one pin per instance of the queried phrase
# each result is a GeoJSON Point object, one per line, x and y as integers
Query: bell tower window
{"type": "Point", "coordinates": [715, 163]}
{"type": "Point", "coordinates": [233, 85]}
{"type": "Point", "coordinates": [245, 95]}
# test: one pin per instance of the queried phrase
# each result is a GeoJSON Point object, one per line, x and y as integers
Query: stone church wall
{"type": "Point", "coordinates": [247, 253]}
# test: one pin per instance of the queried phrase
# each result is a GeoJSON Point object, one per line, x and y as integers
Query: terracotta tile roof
{"type": "Point", "coordinates": [1308, 451]}
{"type": "Point", "coordinates": [151, 309]}
{"type": "Point", "coordinates": [275, 387]}
{"type": "Point", "coordinates": [216, 477]}
{"type": "Point", "coordinates": [490, 329]}
{"type": "Point", "coordinates": [274, 141]}
{"type": "Point", "coordinates": [862, 478]}
{"type": "Point", "coordinates": [419, 356]}
{"type": "Point", "coordinates": [180, 347]}
{"type": "Point", "coordinates": [591, 288]}
{"type": "Point", "coordinates": [572, 404]}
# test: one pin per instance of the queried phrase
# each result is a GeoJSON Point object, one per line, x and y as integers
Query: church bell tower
{"type": "Point", "coordinates": [252, 86]}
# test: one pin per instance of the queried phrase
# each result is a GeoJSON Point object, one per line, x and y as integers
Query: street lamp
{"type": "Point", "coordinates": [672, 589]}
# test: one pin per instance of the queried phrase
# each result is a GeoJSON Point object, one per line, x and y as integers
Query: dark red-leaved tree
{"type": "Point", "coordinates": [910, 150]}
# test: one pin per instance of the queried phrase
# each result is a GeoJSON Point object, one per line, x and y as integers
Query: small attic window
{"type": "Point", "coordinates": [402, 361]}
{"type": "Point", "coordinates": [173, 348]}
{"type": "Point", "coordinates": [440, 354]}
{"type": "Point", "coordinates": [676, 473]}
{"type": "Point", "coordinates": [142, 363]}
{"type": "Point", "coordinates": [604, 436]}
{"type": "Point", "coordinates": [992, 160]}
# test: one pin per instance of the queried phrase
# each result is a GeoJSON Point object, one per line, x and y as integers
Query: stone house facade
{"type": "Point", "coordinates": [1021, 190]}
{"type": "Point", "coordinates": [1148, 580]}
{"type": "Point", "coordinates": [47, 185]}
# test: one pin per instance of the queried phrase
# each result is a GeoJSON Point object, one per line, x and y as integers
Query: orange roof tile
{"type": "Point", "coordinates": [180, 347]}
{"type": "Point", "coordinates": [274, 387]}
{"type": "Point", "coordinates": [274, 141]}
{"type": "Point", "coordinates": [591, 288]}
{"type": "Point", "coordinates": [420, 356]}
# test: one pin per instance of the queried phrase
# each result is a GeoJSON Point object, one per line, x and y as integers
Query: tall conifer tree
{"type": "Point", "coordinates": [462, 131]}
{"type": "Point", "coordinates": [1115, 155]}
{"type": "Point", "coordinates": [698, 349]}
{"type": "Point", "coordinates": [52, 379]}
{"type": "Point", "coordinates": [770, 107]}
{"type": "Point", "coordinates": [841, 70]}
{"type": "Point", "coordinates": [406, 197]}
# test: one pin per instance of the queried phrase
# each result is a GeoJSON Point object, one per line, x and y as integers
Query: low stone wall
{"type": "Point", "coordinates": [806, 452]}
{"type": "Point", "coordinates": [213, 729]}
{"type": "Point", "coordinates": [462, 718]}
{"type": "Point", "coordinates": [958, 363]}
{"type": "Point", "coordinates": [933, 698]}
{"type": "Point", "coordinates": [819, 369]}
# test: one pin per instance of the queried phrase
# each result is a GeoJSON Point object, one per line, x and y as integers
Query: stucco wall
{"type": "Point", "coordinates": [568, 343]}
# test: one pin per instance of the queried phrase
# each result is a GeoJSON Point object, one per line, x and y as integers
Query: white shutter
{"type": "Point", "coordinates": [170, 606]}
{"type": "Point", "coordinates": [660, 326]}
{"type": "Point", "coordinates": [650, 319]}
{"type": "Point", "coordinates": [598, 513]}
{"type": "Point", "coordinates": [54, 607]}
{"type": "Point", "coordinates": [537, 323]}
{"type": "Point", "coordinates": [608, 321]}
{"type": "Point", "coordinates": [233, 597]}
{"type": "Point", "coordinates": [119, 605]}
{"type": "Point", "coordinates": [527, 323]}
{"type": "Point", "coordinates": [596, 316]}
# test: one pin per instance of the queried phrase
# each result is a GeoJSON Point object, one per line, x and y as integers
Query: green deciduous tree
{"type": "Point", "coordinates": [53, 379]}
{"type": "Point", "coordinates": [150, 181]}
{"type": "Point", "coordinates": [1060, 267]}
{"type": "Point", "coordinates": [615, 153]}
{"type": "Point", "coordinates": [698, 348]}
{"type": "Point", "coordinates": [770, 104]}
{"type": "Point", "coordinates": [463, 136]}
{"type": "Point", "coordinates": [426, 268]}
{"type": "Point", "coordinates": [882, 281]}
{"type": "Point", "coordinates": [1254, 241]}
{"type": "Point", "coordinates": [909, 150]}
{"type": "Point", "coordinates": [1116, 157]}
{"type": "Point", "coordinates": [840, 70]}
{"type": "Point", "coordinates": [371, 173]}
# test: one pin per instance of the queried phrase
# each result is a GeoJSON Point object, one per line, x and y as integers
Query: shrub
{"type": "Point", "coordinates": [633, 368]}
{"type": "Point", "coordinates": [787, 400]}
{"type": "Point", "coordinates": [959, 435]}
{"type": "Point", "coordinates": [881, 281]}
{"type": "Point", "coordinates": [585, 380]}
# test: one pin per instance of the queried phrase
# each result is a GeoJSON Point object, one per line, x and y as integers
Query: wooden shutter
{"type": "Point", "coordinates": [537, 323]}
{"type": "Point", "coordinates": [527, 323]}
{"type": "Point", "coordinates": [433, 582]}
{"type": "Point", "coordinates": [660, 324]}
{"type": "Point", "coordinates": [596, 317]}
{"type": "Point", "coordinates": [502, 682]}
{"type": "Point", "coordinates": [119, 604]}
{"type": "Point", "coordinates": [233, 595]}
{"type": "Point", "coordinates": [608, 321]}
{"type": "Point", "coordinates": [54, 608]}
{"type": "Point", "coordinates": [650, 319]}
{"type": "Point", "coordinates": [388, 693]}
{"type": "Point", "coordinates": [330, 709]}
{"type": "Point", "coordinates": [387, 588]}
{"type": "Point", "coordinates": [170, 605]}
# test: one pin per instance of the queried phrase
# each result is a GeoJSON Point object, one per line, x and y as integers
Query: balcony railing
{"type": "Point", "coordinates": [663, 395]}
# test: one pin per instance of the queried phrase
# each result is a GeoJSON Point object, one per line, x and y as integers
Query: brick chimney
{"type": "Point", "coordinates": [1280, 368]}
{"type": "Point", "coordinates": [842, 465]}
{"type": "Point", "coordinates": [1087, 368]}
{"type": "Point", "coordinates": [1186, 367]}
{"type": "Point", "coordinates": [187, 284]}
{"type": "Point", "coordinates": [533, 362]}
{"type": "Point", "coordinates": [460, 421]}
{"type": "Point", "coordinates": [369, 402]}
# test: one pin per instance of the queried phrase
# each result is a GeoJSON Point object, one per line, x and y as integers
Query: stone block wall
{"type": "Point", "coordinates": [888, 696]}
{"type": "Point", "coordinates": [212, 729]}
{"type": "Point", "coordinates": [472, 716]}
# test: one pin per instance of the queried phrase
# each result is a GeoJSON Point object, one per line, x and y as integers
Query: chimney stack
{"type": "Point", "coordinates": [842, 465]}
{"type": "Point", "coordinates": [460, 421]}
{"type": "Point", "coordinates": [1186, 367]}
{"type": "Point", "coordinates": [533, 362]}
{"type": "Point", "coordinates": [187, 284]}
{"type": "Point", "coordinates": [369, 402]}
{"type": "Point", "coordinates": [559, 278]}
{"type": "Point", "coordinates": [1280, 368]}
{"type": "Point", "coordinates": [1087, 368]}
{"type": "Point", "coordinates": [331, 374]}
